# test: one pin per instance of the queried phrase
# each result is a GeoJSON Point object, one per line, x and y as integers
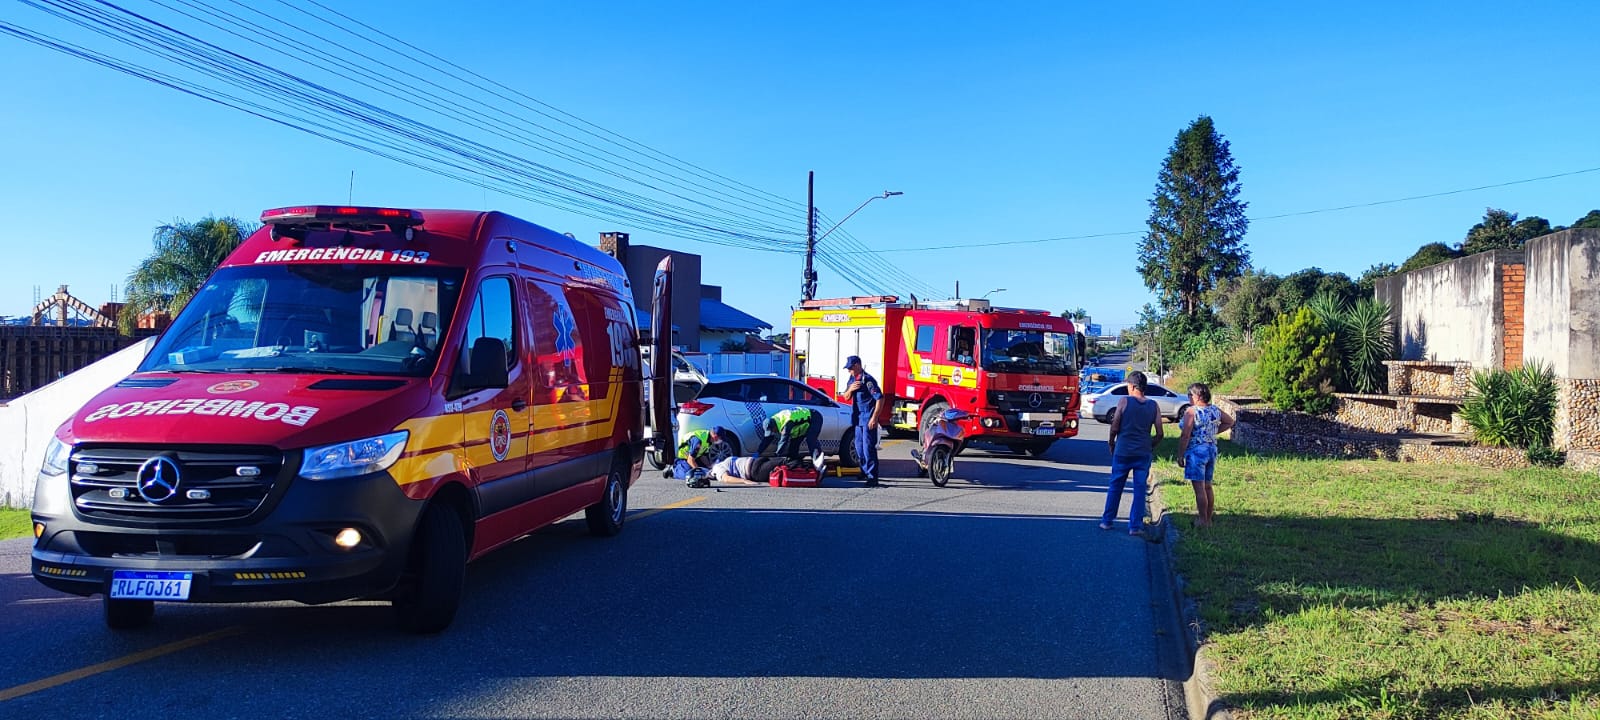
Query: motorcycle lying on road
{"type": "Point", "coordinates": [941, 442]}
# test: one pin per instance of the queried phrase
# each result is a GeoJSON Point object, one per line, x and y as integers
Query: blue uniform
{"type": "Point", "coordinates": [862, 401]}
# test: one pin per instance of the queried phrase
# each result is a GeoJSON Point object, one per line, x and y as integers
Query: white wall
{"type": "Point", "coordinates": [1452, 312]}
{"type": "Point", "coordinates": [28, 422]}
{"type": "Point", "coordinates": [1561, 323]}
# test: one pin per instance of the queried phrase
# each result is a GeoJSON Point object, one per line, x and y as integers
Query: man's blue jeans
{"type": "Point", "coordinates": [1120, 468]}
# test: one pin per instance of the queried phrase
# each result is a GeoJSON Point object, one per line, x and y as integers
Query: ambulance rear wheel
{"type": "Point", "coordinates": [127, 614]}
{"type": "Point", "coordinates": [430, 592]}
{"type": "Point", "coordinates": [605, 517]}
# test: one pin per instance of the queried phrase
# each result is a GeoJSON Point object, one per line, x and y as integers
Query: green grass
{"type": "Point", "coordinates": [14, 523]}
{"type": "Point", "coordinates": [1372, 589]}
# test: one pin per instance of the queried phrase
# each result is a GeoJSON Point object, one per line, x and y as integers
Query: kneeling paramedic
{"type": "Point", "coordinates": [695, 455]}
{"type": "Point", "coordinates": [788, 427]}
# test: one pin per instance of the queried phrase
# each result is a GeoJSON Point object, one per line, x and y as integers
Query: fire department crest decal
{"type": "Point", "coordinates": [232, 386]}
{"type": "Point", "coordinates": [500, 435]}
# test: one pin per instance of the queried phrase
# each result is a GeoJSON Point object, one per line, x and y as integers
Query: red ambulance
{"type": "Point", "coordinates": [356, 403]}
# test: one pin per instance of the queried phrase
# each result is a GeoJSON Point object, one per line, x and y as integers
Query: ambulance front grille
{"type": "Point", "coordinates": [210, 483]}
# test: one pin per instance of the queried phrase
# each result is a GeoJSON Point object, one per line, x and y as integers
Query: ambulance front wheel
{"type": "Point", "coordinates": [127, 614]}
{"type": "Point", "coordinates": [430, 592]}
{"type": "Point", "coordinates": [605, 517]}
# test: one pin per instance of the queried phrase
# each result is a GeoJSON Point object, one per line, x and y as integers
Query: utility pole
{"type": "Point", "coordinates": [808, 283]}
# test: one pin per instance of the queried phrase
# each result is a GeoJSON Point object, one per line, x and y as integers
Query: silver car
{"type": "Point", "coordinates": [1172, 404]}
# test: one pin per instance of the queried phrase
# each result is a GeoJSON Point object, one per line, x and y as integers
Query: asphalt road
{"type": "Point", "coordinates": [994, 597]}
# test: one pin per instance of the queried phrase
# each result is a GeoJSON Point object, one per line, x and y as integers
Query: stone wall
{"type": "Point", "coordinates": [1262, 429]}
{"type": "Point", "coordinates": [1259, 439]}
{"type": "Point", "coordinates": [1583, 460]}
{"type": "Point", "coordinates": [1577, 415]}
{"type": "Point", "coordinates": [1377, 413]}
{"type": "Point", "coordinates": [1429, 378]}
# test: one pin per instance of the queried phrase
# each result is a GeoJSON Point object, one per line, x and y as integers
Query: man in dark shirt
{"type": "Point", "coordinates": [1135, 429]}
{"type": "Point", "coordinates": [866, 404]}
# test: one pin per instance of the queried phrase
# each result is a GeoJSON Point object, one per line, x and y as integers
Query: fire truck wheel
{"type": "Point", "coordinates": [430, 591]}
{"type": "Point", "coordinates": [127, 614]}
{"type": "Point", "coordinates": [605, 517]}
{"type": "Point", "coordinates": [930, 415]}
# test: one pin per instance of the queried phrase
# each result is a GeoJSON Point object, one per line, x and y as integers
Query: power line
{"type": "Point", "coordinates": [1317, 211]}
{"type": "Point", "coordinates": [372, 129]}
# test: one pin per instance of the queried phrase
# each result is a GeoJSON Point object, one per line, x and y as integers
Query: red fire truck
{"type": "Point", "coordinates": [1014, 371]}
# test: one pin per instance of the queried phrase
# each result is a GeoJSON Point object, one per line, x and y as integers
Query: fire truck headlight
{"type": "Point", "coordinates": [357, 457]}
{"type": "Point", "coordinates": [55, 457]}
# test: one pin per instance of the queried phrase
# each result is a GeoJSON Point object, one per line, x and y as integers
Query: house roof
{"type": "Point", "coordinates": [643, 317]}
{"type": "Point", "coordinates": [717, 315]}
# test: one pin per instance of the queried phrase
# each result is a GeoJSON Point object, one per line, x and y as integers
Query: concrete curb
{"type": "Point", "coordinates": [1200, 700]}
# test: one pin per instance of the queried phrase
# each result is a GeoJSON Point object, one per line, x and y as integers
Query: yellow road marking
{"type": "Point", "coordinates": [118, 663]}
{"type": "Point", "coordinates": [681, 503]}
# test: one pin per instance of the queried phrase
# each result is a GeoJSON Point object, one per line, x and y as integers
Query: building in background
{"type": "Point", "coordinates": [701, 322]}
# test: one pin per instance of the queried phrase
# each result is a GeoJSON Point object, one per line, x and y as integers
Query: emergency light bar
{"type": "Point", "coordinates": [295, 221]}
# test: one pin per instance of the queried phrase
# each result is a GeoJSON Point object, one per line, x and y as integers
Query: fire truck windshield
{"type": "Point", "coordinates": [1028, 351]}
{"type": "Point", "coordinates": [312, 318]}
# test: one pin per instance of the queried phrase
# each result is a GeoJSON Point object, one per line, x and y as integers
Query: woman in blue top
{"type": "Point", "coordinates": [1135, 429]}
{"type": "Point", "coordinates": [1197, 448]}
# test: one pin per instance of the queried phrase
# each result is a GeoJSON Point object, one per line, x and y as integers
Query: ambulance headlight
{"type": "Point", "coordinates": [55, 457]}
{"type": "Point", "coordinates": [357, 457]}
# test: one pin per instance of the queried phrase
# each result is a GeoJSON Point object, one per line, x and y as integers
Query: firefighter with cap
{"type": "Point", "coordinates": [696, 453]}
{"type": "Point", "coordinates": [866, 406]}
{"type": "Point", "coordinates": [788, 428]}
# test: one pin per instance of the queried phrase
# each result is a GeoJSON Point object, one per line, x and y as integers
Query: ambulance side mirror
{"type": "Point", "coordinates": [487, 368]}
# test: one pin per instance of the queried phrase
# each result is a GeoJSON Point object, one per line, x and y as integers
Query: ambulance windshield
{"type": "Point", "coordinates": [322, 318]}
{"type": "Point", "coordinates": [1028, 351]}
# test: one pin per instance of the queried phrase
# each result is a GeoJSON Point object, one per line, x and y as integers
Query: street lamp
{"type": "Point", "coordinates": [808, 287]}
{"type": "Point", "coordinates": [987, 294]}
{"type": "Point", "coordinates": [886, 194]}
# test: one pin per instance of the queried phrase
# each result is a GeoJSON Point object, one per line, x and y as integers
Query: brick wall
{"type": "Point", "coordinates": [1512, 277]}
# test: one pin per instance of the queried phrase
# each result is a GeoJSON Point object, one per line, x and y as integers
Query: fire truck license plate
{"type": "Point", "coordinates": [1044, 431]}
{"type": "Point", "coordinates": [142, 585]}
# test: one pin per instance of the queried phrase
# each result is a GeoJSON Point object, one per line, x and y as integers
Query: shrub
{"type": "Point", "coordinates": [1298, 363]}
{"type": "Point", "coordinates": [1366, 341]}
{"type": "Point", "coordinates": [1214, 364]}
{"type": "Point", "coordinates": [1545, 456]}
{"type": "Point", "coordinates": [1513, 407]}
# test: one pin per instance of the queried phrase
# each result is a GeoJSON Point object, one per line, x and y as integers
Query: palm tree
{"type": "Point", "coordinates": [185, 254]}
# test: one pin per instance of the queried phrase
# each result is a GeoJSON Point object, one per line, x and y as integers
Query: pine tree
{"type": "Point", "coordinates": [1197, 222]}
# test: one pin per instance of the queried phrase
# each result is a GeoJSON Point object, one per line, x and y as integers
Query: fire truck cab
{"type": "Point", "coordinates": [1014, 371]}
{"type": "Point", "coordinates": [356, 403]}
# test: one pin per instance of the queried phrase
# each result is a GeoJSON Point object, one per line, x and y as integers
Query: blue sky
{"type": "Point", "coordinates": [999, 123]}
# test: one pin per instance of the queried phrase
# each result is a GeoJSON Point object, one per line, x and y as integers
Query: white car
{"type": "Point", "coordinates": [742, 403]}
{"type": "Point", "coordinates": [1105, 404]}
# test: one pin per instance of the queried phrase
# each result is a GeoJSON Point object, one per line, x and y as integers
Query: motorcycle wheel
{"type": "Point", "coordinates": [940, 464]}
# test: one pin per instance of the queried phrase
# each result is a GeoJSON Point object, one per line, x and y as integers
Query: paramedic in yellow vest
{"type": "Point", "coordinates": [696, 453]}
{"type": "Point", "coordinates": [788, 427]}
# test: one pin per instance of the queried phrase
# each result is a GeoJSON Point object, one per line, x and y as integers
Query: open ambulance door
{"type": "Point", "coordinates": [663, 410]}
